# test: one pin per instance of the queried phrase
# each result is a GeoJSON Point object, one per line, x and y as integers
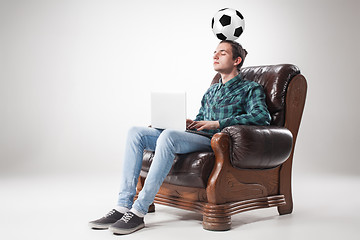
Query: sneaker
{"type": "Point", "coordinates": [127, 224]}
{"type": "Point", "coordinates": [104, 223]}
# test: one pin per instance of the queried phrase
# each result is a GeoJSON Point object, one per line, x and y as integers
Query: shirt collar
{"type": "Point", "coordinates": [235, 79]}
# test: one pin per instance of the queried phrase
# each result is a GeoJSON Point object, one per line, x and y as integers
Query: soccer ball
{"type": "Point", "coordinates": [228, 24]}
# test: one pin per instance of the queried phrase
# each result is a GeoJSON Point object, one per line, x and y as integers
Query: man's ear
{"type": "Point", "coordinates": [237, 61]}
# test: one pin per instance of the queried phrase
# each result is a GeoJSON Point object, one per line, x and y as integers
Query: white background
{"type": "Point", "coordinates": [75, 75]}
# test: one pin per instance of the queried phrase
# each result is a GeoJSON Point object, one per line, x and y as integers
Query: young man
{"type": "Point", "coordinates": [232, 101]}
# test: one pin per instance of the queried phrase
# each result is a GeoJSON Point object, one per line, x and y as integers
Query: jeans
{"type": "Point", "coordinates": [165, 143]}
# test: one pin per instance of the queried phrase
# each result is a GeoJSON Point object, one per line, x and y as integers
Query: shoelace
{"type": "Point", "coordinates": [110, 213]}
{"type": "Point", "coordinates": [127, 216]}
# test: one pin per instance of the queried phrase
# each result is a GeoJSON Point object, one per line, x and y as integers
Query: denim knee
{"type": "Point", "coordinates": [135, 130]}
{"type": "Point", "coordinates": [168, 138]}
{"type": "Point", "coordinates": [135, 133]}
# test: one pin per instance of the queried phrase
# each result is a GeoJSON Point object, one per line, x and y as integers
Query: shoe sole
{"type": "Point", "coordinates": [121, 231]}
{"type": "Point", "coordinates": [99, 226]}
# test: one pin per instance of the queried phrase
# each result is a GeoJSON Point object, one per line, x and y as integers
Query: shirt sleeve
{"type": "Point", "coordinates": [256, 112]}
{"type": "Point", "coordinates": [200, 115]}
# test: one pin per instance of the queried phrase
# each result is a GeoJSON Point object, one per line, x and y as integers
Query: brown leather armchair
{"type": "Point", "coordinates": [250, 166]}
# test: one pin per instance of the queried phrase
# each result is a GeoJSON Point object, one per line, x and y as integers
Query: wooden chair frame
{"type": "Point", "coordinates": [231, 190]}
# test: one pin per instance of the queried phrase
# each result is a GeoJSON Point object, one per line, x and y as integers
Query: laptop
{"type": "Point", "coordinates": [168, 110]}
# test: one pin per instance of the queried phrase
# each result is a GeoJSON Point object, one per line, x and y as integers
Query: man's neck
{"type": "Point", "coordinates": [225, 77]}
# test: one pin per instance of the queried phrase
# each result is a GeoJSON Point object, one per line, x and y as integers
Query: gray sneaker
{"type": "Point", "coordinates": [129, 223]}
{"type": "Point", "coordinates": [104, 223]}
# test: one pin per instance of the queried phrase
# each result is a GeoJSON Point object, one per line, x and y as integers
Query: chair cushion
{"type": "Point", "coordinates": [191, 170]}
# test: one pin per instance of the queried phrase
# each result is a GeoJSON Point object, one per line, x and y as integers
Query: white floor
{"type": "Point", "coordinates": [59, 207]}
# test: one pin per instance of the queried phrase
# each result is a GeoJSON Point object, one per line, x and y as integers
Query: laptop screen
{"type": "Point", "coordinates": [168, 110]}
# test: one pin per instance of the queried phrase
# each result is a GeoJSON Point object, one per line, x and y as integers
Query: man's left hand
{"type": "Point", "coordinates": [201, 125]}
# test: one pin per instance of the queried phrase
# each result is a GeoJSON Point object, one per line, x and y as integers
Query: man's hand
{"type": "Point", "coordinates": [201, 125]}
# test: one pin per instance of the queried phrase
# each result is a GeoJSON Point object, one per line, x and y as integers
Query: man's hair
{"type": "Point", "coordinates": [237, 51]}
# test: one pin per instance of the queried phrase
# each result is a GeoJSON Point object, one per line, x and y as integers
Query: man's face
{"type": "Point", "coordinates": [223, 59]}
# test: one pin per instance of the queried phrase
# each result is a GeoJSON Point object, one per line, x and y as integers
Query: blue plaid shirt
{"type": "Point", "coordinates": [236, 102]}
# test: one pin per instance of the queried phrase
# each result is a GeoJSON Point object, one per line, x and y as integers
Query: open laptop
{"type": "Point", "coordinates": [168, 110]}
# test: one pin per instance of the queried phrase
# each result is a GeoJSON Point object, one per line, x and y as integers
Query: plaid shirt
{"type": "Point", "coordinates": [236, 102]}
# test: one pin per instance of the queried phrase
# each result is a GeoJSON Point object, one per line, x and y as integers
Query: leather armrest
{"type": "Point", "coordinates": [258, 147]}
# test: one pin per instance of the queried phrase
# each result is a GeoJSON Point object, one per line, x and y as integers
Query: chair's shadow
{"type": "Point", "coordinates": [237, 220]}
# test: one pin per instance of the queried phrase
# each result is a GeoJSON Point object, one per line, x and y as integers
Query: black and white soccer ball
{"type": "Point", "coordinates": [228, 24]}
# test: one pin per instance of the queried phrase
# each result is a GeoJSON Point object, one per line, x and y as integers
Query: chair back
{"type": "Point", "coordinates": [275, 80]}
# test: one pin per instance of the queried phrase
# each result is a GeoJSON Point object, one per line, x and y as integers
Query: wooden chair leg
{"type": "Point", "coordinates": [285, 186]}
{"type": "Point", "coordinates": [217, 223]}
{"type": "Point", "coordinates": [151, 208]}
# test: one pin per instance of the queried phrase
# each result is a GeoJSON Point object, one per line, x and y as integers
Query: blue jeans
{"type": "Point", "coordinates": [165, 143]}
